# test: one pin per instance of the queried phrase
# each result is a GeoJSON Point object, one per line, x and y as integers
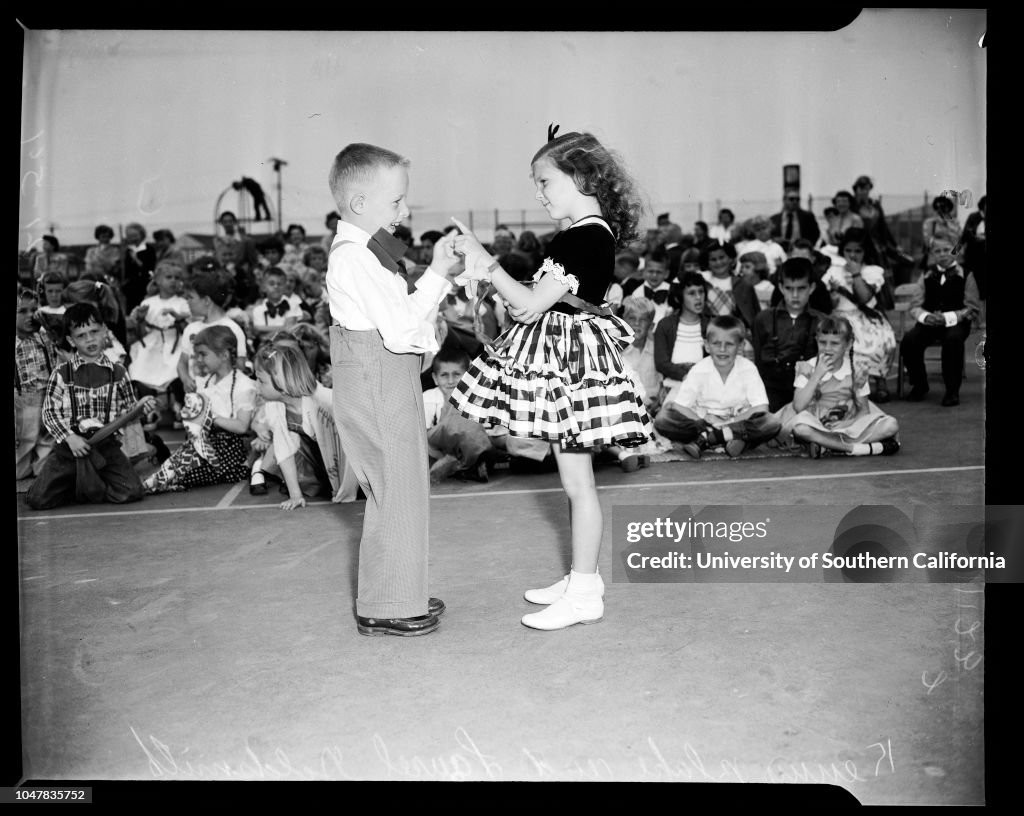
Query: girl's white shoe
{"type": "Point", "coordinates": [548, 595]}
{"type": "Point", "coordinates": [568, 610]}
{"type": "Point", "coordinates": [581, 602]}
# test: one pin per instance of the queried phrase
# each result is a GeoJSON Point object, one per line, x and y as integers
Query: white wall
{"type": "Point", "coordinates": [154, 125]}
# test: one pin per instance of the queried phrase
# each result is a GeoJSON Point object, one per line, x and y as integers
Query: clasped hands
{"type": "Point", "coordinates": [461, 257]}
{"type": "Point", "coordinates": [464, 261]}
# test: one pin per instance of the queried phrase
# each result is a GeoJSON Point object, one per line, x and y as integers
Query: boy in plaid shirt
{"type": "Point", "coordinates": [34, 358]}
{"type": "Point", "coordinates": [81, 395]}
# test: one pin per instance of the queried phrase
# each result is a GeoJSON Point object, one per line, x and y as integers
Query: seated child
{"type": "Point", "coordinates": [158, 320]}
{"type": "Point", "coordinates": [638, 358]}
{"type": "Point", "coordinates": [277, 309]}
{"type": "Point", "coordinates": [942, 307]}
{"type": "Point", "coordinates": [51, 312]}
{"type": "Point", "coordinates": [754, 270]}
{"type": "Point", "coordinates": [103, 298]}
{"type": "Point", "coordinates": [271, 253]}
{"type": "Point", "coordinates": [821, 300]}
{"type": "Point", "coordinates": [679, 337]}
{"type": "Point", "coordinates": [654, 286]}
{"type": "Point", "coordinates": [316, 348]}
{"type": "Point", "coordinates": [627, 268]}
{"type": "Point", "coordinates": [304, 446]}
{"type": "Point", "coordinates": [730, 294]}
{"type": "Point", "coordinates": [455, 444]}
{"type": "Point", "coordinates": [83, 395]}
{"type": "Point", "coordinates": [312, 296]}
{"type": "Point", "coordinates": [722, 401]}
{"type": "Point", "coordinates": [207, 293]}
{"type": "Point", "coordinates": [35, 356]}
{"type": "Point", "coordinates": [216, 453]}
{"type": "Point", "coordinates": [785, 333]}
{"type": "Point", "coordinates": [830, 410]}
{"type": "Point", "coordinates": [689, 261]}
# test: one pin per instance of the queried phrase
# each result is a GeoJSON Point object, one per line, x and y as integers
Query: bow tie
{"type": "Point", "coordinates": [280, 308]}
{"type": "Point", "coordinates": [388, 249]}
{"type": "Point", "coordinates": [658, 297]}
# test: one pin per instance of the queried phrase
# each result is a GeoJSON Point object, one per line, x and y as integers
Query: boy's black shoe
{"type": "Point", "coordinates": [890, 446]}
{"type": "Point", "coordinates": [401, 627]}
{"type": "Point", "coordinates": [917, 393]}
{"type": "Point", "coordinates": [950, 399]}
{"type": "Point", "coordinates": [734, 447]}
{"type": "Point", "coordinates": [695, 448]}
{"type": "Point", "coordinates": [435, 607]}
{"type": "Point", "coordinates": [477, 473]}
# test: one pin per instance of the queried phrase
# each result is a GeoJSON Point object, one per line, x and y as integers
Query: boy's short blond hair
{"type": "Point", "coordinates": [357, 164]}
{"type": "Point", "coordinates": [727, 323]}
{"type": "Point", "coordinates": [638, 306]}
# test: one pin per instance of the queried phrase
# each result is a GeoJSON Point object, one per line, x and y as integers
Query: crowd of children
{"type": "Point", "coordinates": [748, 342]}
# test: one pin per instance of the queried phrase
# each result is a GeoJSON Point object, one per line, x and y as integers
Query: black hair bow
{"type": "Point", "coordinates": [552, 131]}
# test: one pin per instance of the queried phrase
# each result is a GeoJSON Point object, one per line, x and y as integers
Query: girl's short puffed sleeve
{"type": "Point", "coordinates": [802, 372]}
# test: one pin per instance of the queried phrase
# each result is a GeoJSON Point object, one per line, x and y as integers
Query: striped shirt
{"type": "Point", "coordinates": [34, 358]}
{"type": "Point", "coordinates": [100, 390]}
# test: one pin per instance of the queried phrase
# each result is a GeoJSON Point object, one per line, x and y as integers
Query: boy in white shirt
{"type": "Point", "coordinates": [722, 401]}
{"type": "Point", "coordinates": [379, 330]}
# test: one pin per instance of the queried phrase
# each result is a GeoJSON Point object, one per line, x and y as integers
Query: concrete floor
{"type": "Point", "coordinates": [209, 636]}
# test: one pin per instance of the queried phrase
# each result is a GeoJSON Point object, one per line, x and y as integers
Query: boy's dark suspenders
{"type": "Point", "coordinates": [67, 374]}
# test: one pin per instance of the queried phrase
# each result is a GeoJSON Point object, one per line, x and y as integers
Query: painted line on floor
{"type": "Point", "coordinates": [230, 495]}
{"type": "Point", "coordinates": [225, 504]}
{"type": "Point", "coordinates": [704, 483]}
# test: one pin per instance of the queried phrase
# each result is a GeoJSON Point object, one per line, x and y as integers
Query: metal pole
{"type": "Point", "coordinates": [278, 164]}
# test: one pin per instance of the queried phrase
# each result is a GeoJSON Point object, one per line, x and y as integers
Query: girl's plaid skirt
{"type": "Point", "coordinates": [560, 379]}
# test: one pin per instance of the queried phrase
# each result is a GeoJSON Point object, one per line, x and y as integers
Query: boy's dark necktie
{"type": "Point", "coordinates": [387, 249]}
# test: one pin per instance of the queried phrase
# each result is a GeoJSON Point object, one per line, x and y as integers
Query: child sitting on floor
{"type": "Point", "coordinates": [217, 453]}
{"type": "Point", "coordinates": [830, 410]}
{"type": "Point", "coordinates": [277, 310]}
{"type": "Point", "coordinates": [679, 337]}
{"type": "Point", "coordinates": [722, 401]}
{"type": "Point", "coordinates": [83, 396]}
{"type": "Point", "coordinates": [35, 356]}
{"type": "Point", "coordinates": [455, 444]}
{"type": "Point", "coordinates": [303, 443]}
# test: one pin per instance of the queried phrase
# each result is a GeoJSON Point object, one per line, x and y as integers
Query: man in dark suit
{"type": "Point", "coordinates": [138, 260]}
{"type": "Point", "coordinates": [793, 223]}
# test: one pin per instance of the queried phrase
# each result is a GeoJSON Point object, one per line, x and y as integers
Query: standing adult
{"type": "Point", "coordinates": [331, 222]}
{"type": "Point", "coordinates": [942, 225]}
{"type": "Point", "coordinates": [975, 254]}
{"type": "Point", "coordinates": [793, 223]}
{"type": "Point", "coordinates": [50, 258]}
{"type": "Point", "coordinates": [723, 230]}
{"type": "Point", "coordinates": [295, 247]}
{"type": "Point", "coordinates": [138, 260]}
{"type": "Point", "coordinates": [104, 258]}
{"type": "Point", "coordinates": [869, 209]}
{"type": "Point", "coordinates": [166, 249]}
{"type": "Point", "coordinates": [237, 253]}
{"type": "Point", "coordinates": [842, 218]}
{"type": "Point", "coordinates": [675, 246]}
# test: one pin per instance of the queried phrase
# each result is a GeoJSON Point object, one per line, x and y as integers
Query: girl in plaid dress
{"type": "Point", "coordinates": [558, 373]}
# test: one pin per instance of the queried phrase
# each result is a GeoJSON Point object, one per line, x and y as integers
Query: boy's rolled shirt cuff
{"type": "Point", "coordinates": [431, 279]}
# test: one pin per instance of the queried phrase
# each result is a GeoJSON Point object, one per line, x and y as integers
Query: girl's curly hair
{"type": "Point", "coordinates": [599, 172]}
